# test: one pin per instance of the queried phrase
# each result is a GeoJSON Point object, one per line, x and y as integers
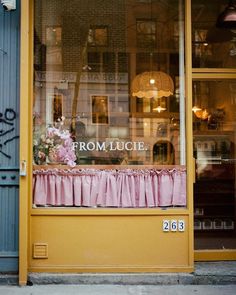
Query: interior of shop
{"type": "Point", "coordinates": [214, 127]}
{"type": "Point", "coordinates": [214, 151]}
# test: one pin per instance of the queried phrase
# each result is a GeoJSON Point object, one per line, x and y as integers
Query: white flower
{"type": "Point", "coordinates": [57, 132]}
{"type": "Point", "coordinates": [65, 134]}
{"type": "Point", "coordinates": [43, 137]}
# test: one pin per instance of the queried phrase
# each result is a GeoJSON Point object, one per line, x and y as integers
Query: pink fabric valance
{"type": "Point", "coordinates": [110, 188]}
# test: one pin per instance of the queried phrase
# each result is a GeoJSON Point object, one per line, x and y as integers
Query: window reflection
{"type": "Point", "coordinates": [214, 151]}
{"type": "Point", "coordinates": [84, 64]}
{"type": "Point", "coordinates": [212, 47]}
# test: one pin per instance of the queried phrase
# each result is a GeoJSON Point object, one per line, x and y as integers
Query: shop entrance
{"type": "Point", "coordinates": [9, 139]}
{"type": "Point", "coordinates": [214, 134]}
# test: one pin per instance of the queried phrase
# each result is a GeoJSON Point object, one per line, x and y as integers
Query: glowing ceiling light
{"type": "Point", "coordinates": [159, 109]}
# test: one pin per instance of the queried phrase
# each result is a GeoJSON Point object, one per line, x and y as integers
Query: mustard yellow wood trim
{"type": "Point", "coordinates": [30, 117]}
{"type": "Point", "coordinates": [212, 76]}
{"type": "Point", "coordinates": [189, 131]}
{"type": "Point", "coordinates": [25, 134]}
{"type": "Point", "coordinates": [119, 167]}
{"type": "Point", "coordinates": [213, 70]}
{"type": "Point", "coordinates": [110, 269]}
{"type": "Point", "coordinates": [107, 212]}
{"type": "Point", "coordinates": [214, 255]}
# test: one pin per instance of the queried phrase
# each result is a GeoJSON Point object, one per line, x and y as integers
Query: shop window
{"type": "Point", "coordinates": [96, 141]}
{"type": "Point", "coordinates": [98, 36]}
{"type": "Point", "coordinates": [94, 61]}
{"type": "Point", "coordinates": [163, 153]}
{"type": "Point", "coordinates": [214, 151]}
{"type": "Point", "coordinates": [123, 62]}
{"type": "Point", "coordinates": [213, 47]}
{"type": "Point", "coordinates": [100, 109]}
{"type": "Point", "coordinates": [55, 105]}
{"type": "Point", "coordinates": [101, 61]}
{"type": "Point", "coordinates": [53, 45]}
{"type": "Point", "coordinates": [146, 33]}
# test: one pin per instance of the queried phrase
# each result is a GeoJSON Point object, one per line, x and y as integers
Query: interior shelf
{"type": "Point", "coordinates": [214, 190]}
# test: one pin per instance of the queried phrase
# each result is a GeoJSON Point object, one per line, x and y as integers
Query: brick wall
{"type": "Point", "coordinates": [76, 18]}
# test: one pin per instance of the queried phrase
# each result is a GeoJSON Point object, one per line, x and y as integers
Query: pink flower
{"type": "Point", "coordinates": [41, 155]}
{"type": "Point", "coordinates": [71, 163]}
{"type": "Point", "coordinates": [64, 135]}
{"type": "Point", "coordinates": [51, 132]}
{"type": "Point", "coordinates": [57, 145]}
{"type": "Point", "coordinates": [66, 155]}
{"type": "Point", "coordinates": [68, 142]}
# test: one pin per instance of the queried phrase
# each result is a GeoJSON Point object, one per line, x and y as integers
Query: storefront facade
{"type": "Point", "coordinates": [107, 166]}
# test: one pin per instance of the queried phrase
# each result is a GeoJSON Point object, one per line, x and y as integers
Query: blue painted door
{"type": "Point", "coordinates": [9, 138]}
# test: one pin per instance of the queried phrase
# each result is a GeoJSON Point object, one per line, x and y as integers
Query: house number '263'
{"type": "Point", "coordinates": [173, 225]}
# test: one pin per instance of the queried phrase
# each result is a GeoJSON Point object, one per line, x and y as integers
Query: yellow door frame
{"type": "Point", "coordinates": [25, 136]}
{"type": "Point", "coordinates": [189, 130]}
{"type": "Point", "coordinates": [214, 255]}
{"type": "Point", "coordinates": [207, 75]}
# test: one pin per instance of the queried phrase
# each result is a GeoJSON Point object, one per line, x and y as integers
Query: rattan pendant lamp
{"type": "Point", "coordinates": [152, 84]}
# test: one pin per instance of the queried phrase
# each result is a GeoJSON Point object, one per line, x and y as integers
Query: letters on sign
{"type": "Point", "coordinates": [110, 146]}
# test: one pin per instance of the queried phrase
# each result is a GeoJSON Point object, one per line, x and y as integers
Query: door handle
{"type": "Point", "coordinates": [23, 168]}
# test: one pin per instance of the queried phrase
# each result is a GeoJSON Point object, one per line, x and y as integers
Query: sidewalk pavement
{"type": "Point", "coordinates": [118, 290]}
{"type": "Point", "coordinates": [206, 273]}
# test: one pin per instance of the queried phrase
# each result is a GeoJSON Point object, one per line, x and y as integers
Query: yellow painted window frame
{"type": "Point", "coordinates": [26, 101]}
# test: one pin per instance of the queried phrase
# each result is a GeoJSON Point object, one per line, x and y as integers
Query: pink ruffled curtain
{"type": "Point", "coordinates": [110, 188]}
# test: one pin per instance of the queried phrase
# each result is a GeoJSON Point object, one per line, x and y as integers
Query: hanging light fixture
{"type": "Point", "coordinates": [196, 109]}
{"type": "Point", "coordinates": [161, 105]}
{"type": "Point", "coordinates": [152, 84]}
{"type": "Point", "coordinates": [159, 109]}
{"type": "Point", "coordinates": [227, 19]}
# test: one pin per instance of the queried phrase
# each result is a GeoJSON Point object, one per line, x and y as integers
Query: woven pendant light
{"type": "Point", "coordinates": [152, 84]}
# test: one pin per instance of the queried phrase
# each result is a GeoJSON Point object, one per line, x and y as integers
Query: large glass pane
{"type": "Point", "coordinates": [214, 149]}
{"type": "Point", "coordinates": [88, 110]}
{"type": "Point", "coordinates": [213, 47]}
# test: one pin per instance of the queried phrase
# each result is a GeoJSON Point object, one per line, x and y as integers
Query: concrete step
{"type": "Point", "coordinates": [206, 273]}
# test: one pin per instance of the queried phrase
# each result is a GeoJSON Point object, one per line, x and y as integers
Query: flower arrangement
{"type": "Point", "coordinates": [55, 145]}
